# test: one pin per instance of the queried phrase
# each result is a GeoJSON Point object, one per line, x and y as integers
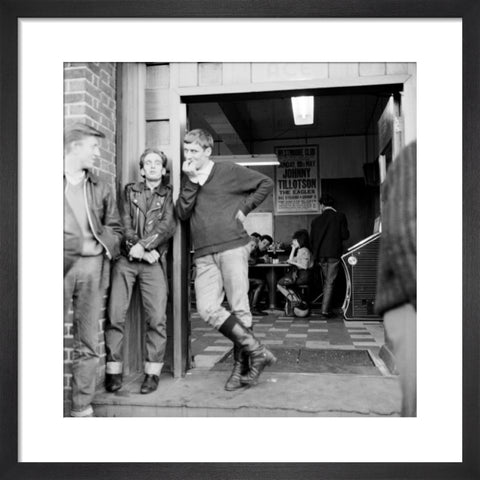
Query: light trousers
{"type": "Point", "coordinates": [401, 328]}
{"type": "Point", "coordinates": [220, 274]}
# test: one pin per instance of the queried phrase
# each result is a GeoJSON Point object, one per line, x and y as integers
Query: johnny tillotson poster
{"type": "Point", "coordinates": [296, 180]}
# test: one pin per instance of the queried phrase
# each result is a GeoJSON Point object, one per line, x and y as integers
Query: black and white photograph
{"type": "Point", "coordinates": [248, 240]}
{"type": "Point", "coordinates": [250, 253]}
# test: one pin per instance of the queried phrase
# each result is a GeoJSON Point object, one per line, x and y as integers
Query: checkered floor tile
{"type": "Point", "coordinates": [209, 346]}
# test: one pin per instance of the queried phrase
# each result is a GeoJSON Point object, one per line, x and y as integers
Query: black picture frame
{"type": "Point", "coordinates": [12, 10]}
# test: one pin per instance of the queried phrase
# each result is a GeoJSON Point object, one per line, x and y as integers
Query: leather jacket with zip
{"type": "Point", "coordinates": [103, 218]}
{"type": "Point", "coordinates": [151, 226]}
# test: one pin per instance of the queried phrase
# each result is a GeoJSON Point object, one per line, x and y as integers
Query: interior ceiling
{"type": "Point", "coordinates": [238, 123]}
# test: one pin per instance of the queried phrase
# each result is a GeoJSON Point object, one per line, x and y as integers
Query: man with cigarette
{"type": "Point", "coordinates": [149, 222]}
{"type": "Point", "coordinates": [217, 197]}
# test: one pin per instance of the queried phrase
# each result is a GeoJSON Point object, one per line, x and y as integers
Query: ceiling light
{"type": "Point", "coordinates": [248, 160]}
{"type": "Point", "coordinates": [302, 110]}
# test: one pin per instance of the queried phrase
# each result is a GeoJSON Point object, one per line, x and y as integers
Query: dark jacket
{"type": "Point", "coordinates": [104, 220]}
{"type": "Point", "coordinates": [327, 233]}
{"type": "Point", "coordinates": [151, 227]}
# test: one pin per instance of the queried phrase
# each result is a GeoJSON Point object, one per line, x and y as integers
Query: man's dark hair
{"type": "Point", "coordinates": [327, 200]}
{"type": "Point", "coordinates": [255, 234]}
{"type": "Point", "coordinates": [157, 152]}
{"type": "Point", "coordinates": [302, 238]}
{"type": "Point", "coordinates": [78, 131]}
{"type": "Point", "coordinates": [267, 237]}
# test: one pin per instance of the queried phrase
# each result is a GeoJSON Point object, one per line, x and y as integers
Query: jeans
{"type": "Point", "coordinates": [219, 274]}
{"type": "Point", "coordinates": [83, 286]}
{"type": "Point", "coordinates": [329, 268]}
{"type": "Point", "coordinates": [153, 290]}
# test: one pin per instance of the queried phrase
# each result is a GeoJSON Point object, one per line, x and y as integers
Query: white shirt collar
{"type": "Point", "coordinates": [204, 172]}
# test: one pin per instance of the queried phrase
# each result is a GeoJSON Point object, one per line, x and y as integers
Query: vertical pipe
{"type": "Point", "coordinates": [180, 285]}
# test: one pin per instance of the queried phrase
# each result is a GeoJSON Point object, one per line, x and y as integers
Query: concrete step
{"type": "Point", "coordinates": [201, 394]}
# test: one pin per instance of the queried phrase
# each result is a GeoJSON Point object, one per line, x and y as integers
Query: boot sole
{"type": "Point", "coordinates": [239, 387]}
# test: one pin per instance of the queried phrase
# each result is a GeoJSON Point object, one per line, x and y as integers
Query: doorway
{"type": "Point", "coordinates": [345, 133]}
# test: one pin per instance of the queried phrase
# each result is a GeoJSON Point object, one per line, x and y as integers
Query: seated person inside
{"type": "Point", "coordinates": [254, 239]}
{"type": "Point", "coordinates": [302, 262]}
{"type": "Point", "coordinates": [260, 245]}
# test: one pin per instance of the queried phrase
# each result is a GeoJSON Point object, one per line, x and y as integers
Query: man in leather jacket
{"type": "Point", "coordinates": [149, 221]}
{"type": "Point", "coordinates": [92, 234]}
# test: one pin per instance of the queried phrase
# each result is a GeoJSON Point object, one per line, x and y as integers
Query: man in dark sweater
{"type": "Point", "coordinates": [217, 198]}
{"type": "Point", "coordinates": [328, 231]}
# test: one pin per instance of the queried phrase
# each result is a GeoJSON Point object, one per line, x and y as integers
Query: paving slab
{"type": "Point", "coordinates": [277, 394]}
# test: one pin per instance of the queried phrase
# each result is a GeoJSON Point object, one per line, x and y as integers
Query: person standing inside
{"type": "Point", "coordinates": [216, 198]}
{"type": "Point", "coordinates": [149, 222]}
{"type": "Point", "coordinates": [92, 235]}
{"type": "Point", "coordinates": [328, 232]}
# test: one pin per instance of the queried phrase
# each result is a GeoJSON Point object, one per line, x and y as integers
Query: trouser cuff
{"type": "Point", "coordinates": [87, 412]}
{"type": "Point", "coordinates": [114, 368]}
{"type": "Point", "coordinates": [153, 368]}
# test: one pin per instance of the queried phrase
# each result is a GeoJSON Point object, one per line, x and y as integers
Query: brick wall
{"type": "Point", "coordinates": [90, 97]}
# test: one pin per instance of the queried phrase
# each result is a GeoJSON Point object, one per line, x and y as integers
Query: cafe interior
{"type": "Point", "coordinates": [327, 144]}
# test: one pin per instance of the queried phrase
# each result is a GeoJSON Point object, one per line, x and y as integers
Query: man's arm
{"type": "Point", "coordinates": [259, 186]}
{"type": "Point", "coordinates": [129, 233]}
{"type": "Point", "coordinates": [187, 198]}
{"type": "Point", "coordinates": [112, 222]}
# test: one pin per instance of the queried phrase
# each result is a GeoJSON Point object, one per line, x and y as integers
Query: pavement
{"type": "Point", "coordinates": [287, 389]}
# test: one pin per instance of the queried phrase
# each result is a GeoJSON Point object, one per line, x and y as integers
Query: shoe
{"type": "Point", "coordinates": [259, 355]}
{"type": "Point", "coordinates": [113, 382]}
{"type": "Point", "coordinates": [150, 383]}
{"type": "Point", "coordinates": [326, 315]}
{"type": "Point", "coordinates": [241, 366]}
{"type": "Point", "coordinates": [258, 313]}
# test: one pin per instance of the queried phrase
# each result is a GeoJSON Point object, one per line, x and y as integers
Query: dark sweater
{"type": "Point", "coordinates": [212, 207]}
{"type": "Point", "coordinates": [397, 270]}
{"type": "Point", "coordinates": [328, 231]}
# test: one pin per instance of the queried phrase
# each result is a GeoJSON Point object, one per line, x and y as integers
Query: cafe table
{"type": "Point", "coordinates": [273, 272]}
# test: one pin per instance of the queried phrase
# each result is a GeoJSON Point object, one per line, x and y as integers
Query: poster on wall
{"type": "Point", "coordinates": [297, 185]}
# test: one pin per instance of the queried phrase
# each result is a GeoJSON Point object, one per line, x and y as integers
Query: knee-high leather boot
{"type": "Point", "coordinates": [240, 367]}
{"type": "Point", "coordinates": [259, 355]}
